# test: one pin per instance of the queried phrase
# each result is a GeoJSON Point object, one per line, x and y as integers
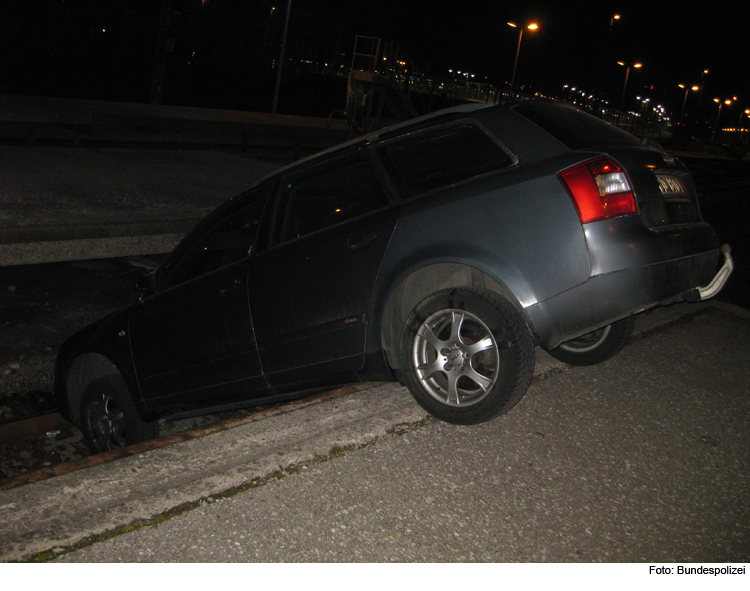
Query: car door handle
{"type": "Point", "coordinates": [235, 284]}
{"type": "Point", "coordinates": [361, 241]}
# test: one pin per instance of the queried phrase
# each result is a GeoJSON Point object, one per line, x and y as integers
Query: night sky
{"type": "Point", "coordinates": [573, 44]}
{"type": "Point", "coordinates": [101, 49]}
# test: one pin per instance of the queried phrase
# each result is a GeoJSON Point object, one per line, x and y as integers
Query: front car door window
{"type": "Point", "coordinates": [231, 239]}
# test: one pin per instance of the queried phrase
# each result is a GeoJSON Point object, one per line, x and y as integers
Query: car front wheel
{"type": "Point", "coordinates": [466, 355]}
{"type": "Point", "coordinates": [596, 346]}
{"type": "Point", "coordinates": [109, 418]}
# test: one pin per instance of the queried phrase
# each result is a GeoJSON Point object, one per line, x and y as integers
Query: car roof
{"type": "Point", "coordinates": [390, 131]}
{"type": "Point", "coordinates": [420, 121]}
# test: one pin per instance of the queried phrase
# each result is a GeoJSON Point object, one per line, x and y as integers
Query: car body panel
{"type": "Point", "coordinates": [213, 355]}
{"type": "Point", "coordinates": [606, 298]}
{"type": "Point", "coordinates": [94, 351]}
{"type": "Point", "coordinates": [301, 328]}
{"type": "Point", "coordinates": [493, 237]}
{"type": "Point", "coordinates": [623, 243]}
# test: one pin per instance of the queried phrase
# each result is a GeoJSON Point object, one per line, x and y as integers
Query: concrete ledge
{"type": "Point", "coordinates": [59, 204]}
{"type": "Point", "coordinates": [94, 248]}
{"type": "Point", "coordinates": [102, 201]}
{"type": "Point", "coordinates": [18, 234]}
{"type": "Point", "coordinates": [83, 116]}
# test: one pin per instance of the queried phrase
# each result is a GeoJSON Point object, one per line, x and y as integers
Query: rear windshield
{"type": "Point", "coordinates": [576, 129]}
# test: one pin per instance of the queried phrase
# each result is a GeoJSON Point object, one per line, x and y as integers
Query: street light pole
{"type": "Point", "coordinates": [615, 17]}
{"type": "Point", "coordinates": [531, 27]}
{"type": "Point", "coordinates": [721, 104]}
{"type": "Point", "coordinates": [625, 85]}
{"type": "Point", "coordinates": [684, 101]}
{"type": "Point", "coordinates": [515, 62]}
{"type": "Point", "coordinates": [275, 102]}
{"type": "Point", "coordinates": [700, 94]}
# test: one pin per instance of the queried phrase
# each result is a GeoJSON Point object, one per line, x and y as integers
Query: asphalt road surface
{"type": "Point", "coordinates": [641, 459]}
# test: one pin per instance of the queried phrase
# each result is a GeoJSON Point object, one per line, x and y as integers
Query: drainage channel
{"type": "Point", "coordinates": [46, 446]}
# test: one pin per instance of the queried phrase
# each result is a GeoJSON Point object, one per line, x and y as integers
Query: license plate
{"type": "Point", "coordinates": [669, 185]}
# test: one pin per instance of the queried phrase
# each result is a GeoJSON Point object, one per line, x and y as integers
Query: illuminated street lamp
{"type": "Point", "coordinates": [721, 104]}
{"type": "Point", "coordinates": [741, 131]}
{"type": "Point", "coordinates": [684, 101]}
{"type": "Point", "coordinates": [530, 27]}
{"type": "Point", "coordinates": [625, 85]}
{"type": "Point", "coordinates": [615, 17]}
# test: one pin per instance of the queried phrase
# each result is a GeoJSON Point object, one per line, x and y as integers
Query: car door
{"type": "Point", "coordinates": [334, 221]}
{"type": "Point", "coordinates": [193, 341]}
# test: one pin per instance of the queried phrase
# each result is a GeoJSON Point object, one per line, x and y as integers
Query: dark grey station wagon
{"type": "Point", "coordinates": [438, 252]}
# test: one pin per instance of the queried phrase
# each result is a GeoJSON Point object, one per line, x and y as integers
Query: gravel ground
{"type": "Point", "coordinates": [40, 307]}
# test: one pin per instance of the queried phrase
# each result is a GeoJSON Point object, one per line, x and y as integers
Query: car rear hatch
{"type": "Point", "coordinates": [663, 188]}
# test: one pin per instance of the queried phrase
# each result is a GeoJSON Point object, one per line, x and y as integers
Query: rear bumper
{"type": "Point", "coordinates": [606, 298]}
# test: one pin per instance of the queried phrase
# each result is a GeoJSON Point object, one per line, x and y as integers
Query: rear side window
{"type": "Point", "coordinates": [443, 157]}
{"type": "Point", "coordinates": [576, 129]}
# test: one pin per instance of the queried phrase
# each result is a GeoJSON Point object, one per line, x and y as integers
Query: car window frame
{"type": "Point", "coordinates": [281, 206]}
{"type": "Point", "coordinates": [403, 192]}
{"type": "Point", "coordinates": [210, 224]}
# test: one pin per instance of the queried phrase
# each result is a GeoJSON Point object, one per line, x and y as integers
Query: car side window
{"type": "Point", "coordinates": [323, 196]}
{"type": "Point", "coordinates": [229, 240]}
{"type": "Point", "coordinates": [443, 157]}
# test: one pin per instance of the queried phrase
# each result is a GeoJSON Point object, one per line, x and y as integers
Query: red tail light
{"type": "Point", "coordinates": [600, 189]}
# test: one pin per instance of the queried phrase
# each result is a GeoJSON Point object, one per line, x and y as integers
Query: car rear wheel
{"type": "Point", "coordinates": [109, 418]}
{"type": "Point", "coordinates": [466, 355]}
{"type": "Point", "coordinates": [596, 346]}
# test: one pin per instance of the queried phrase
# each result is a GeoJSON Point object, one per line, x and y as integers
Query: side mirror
{"type": "Point", "coordinates": [145, 281]}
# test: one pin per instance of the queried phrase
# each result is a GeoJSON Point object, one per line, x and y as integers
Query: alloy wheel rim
{"type": "Point", "coordinates": [455, 357]}
{"type": "Point", "coordinates": [106, 422]}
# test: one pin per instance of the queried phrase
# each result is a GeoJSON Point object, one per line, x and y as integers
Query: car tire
{"type": "Point", "coordinates": [596, 346]}
{"type": "Point", "coordinates": [109, 419]}
{"type": "Point", "coordinates": [466, 355]}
